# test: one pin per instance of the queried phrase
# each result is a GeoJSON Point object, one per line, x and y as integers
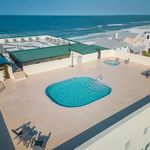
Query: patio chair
{"type": "Point", "coordinates": [31, 39]}
{"type": "Point", "coordinates": [23, 40]}
{"type": "Point", "coordinates": [41, 141]}
{"type": "Point", "coordinates": [47, 39]}
{"type": "Point", "coordinates": [28, 137]}
{"type": "Point", "coordinates": [147, 73]}
{"type": "Point", "coordinates": [15, 40]}
{"type": "Point", "coordinates": [17, 133]}
{"type": "Point", "coordinates": [21, 130]}
{"type": "Point", "coordinates": [37, 39]}
{"type": "Point", "coordinates": [7, 41]}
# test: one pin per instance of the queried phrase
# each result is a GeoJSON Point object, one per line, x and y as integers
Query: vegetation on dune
{"type": "Point", "coordinates": [145, 53]}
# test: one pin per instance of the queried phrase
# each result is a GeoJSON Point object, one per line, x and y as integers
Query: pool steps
{"type": "Point", "coordinates": [95, 85]}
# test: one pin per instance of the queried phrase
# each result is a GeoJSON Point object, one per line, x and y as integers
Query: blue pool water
{"type": "Point", "coordinates": [111, 62]}
{"type": "Point", "coordinates": [77, 92]}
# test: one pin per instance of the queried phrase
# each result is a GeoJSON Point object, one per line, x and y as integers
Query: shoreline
{"type": "Point", "coordinates": [136, 30]}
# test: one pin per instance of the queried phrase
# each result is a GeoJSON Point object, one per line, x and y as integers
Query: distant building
{"type": "Point", "coordinates": [147, 41]}
{"type": "Point", "coordinates": [141, 41]}
{"type": "Point", "coordinates": [116, 35]}
{"type": "Point", "coordinates": [113, 44]}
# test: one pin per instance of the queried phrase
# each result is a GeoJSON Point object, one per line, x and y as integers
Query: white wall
{"type": "Point", "coordinates": [130, 129]}
{"type": "Point", "coordinates": [89, 57]}
{"type": "Point", "coordinates": [75, 57]}
{"type": "Point", "coordinates": [10, 71]}
{"type": "Point", "coordinates": [46, 66]}
{"type": "Point", "coordinates": [107, 53]}
{"type": "Point", "coordinates": [133, 57]}
{"type": "Point", "coordinates": [92, 56]}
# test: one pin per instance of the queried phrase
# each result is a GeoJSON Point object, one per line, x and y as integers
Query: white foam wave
{"type": "Point", "coordinates": [99, 26]}
{"type": "Point", "coordinates": [137, 30]}
{"type": "Point", "coordinates": [7, 35]}
{"type": "Point", "coordinates": [92, 35]}
{"type": "Point", "coordinates": [111, 25]}
{"type": "Point", "coordinates": [141, 22]}
{"type": "Point", "coordinates": [87, 28]}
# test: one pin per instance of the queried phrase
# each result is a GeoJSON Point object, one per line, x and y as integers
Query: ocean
{"type": "Point", "coordinates": [72, 27]}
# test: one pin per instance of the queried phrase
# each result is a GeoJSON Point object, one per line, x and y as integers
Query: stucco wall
{"type": "Point", "coordinates": [107, 53]}
{"type": "Point", "coordinates": [92, 56]}
{"type": "Point", "coordinates": [133, 57]}
{"type": "Point", "coordinates": [10, 71]}
{"type": "Point", "coordinates": [85, 58]}
{"type": "Point", "coordinates": [46, 66]}
{"type": "Point", "coordinates": [75, 56]}
{"type": "Point", "coordinates": [89, 57]}
{"type": "Point", "coordinates": [131, 133]}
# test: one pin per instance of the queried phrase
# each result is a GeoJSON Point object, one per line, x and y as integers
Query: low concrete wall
{"type": "Point", "coordinates": [133, 57]}
{"type": "Point", "coordinates": [46, 66]}
{"type": "Point", "coordinates": [10, 71]}
{"type": "Point", "coordinates": [85, 58]}
{"type": "Point", "coordinates": [92, 56]}
{"type": "Point", "coordinates": [89, 57]}
{"type": "Point", "coordinates": [107, 53]}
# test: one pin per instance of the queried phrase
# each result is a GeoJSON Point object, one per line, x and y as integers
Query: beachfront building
{"type": "Point", "coordinates": [106, 123]}
{"type": "Point", "coordinates": [136, 41]}
{"type": "Point", "coordinates": [50, 58]}
{"type": "Point", "coordinates": [140, 42]}
{"type": "Point", "coordinates": [147, 41]}
{"type": "Point", "coordinates": [118, 121]}
{"type": "Point", "coordinates": [113, 44]}
{"type": "Point", "coordinates": [32, 42]}
{"type": "Point", "coordinates": [121, 36]}
{"type": "Point", "coordinates": [117, 43]}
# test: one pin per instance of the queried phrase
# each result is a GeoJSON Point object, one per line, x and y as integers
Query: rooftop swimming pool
{"type": "Point", "coordinates": [76, 92]}
{"type": "Point", "coordinates": [111, 62]}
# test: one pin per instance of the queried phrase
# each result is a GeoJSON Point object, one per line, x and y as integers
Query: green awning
{"type": "Point", "coordinates": [86, 49]}
{"type": "Point", "coordinates": [40, 53]}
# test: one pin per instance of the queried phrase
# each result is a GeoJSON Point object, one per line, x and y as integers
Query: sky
{"type": "Point", "coordinates": [74, 7]}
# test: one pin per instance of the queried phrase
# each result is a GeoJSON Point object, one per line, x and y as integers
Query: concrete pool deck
{"type": "Point", "coordinates": [25, 100]}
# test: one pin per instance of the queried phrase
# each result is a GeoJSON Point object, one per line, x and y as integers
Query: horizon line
{"type": "Point", "coordinates": [73, 15]}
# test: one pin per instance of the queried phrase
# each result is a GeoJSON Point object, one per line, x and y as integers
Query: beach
{"type": "Point", "coordinates": [130, 32]}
